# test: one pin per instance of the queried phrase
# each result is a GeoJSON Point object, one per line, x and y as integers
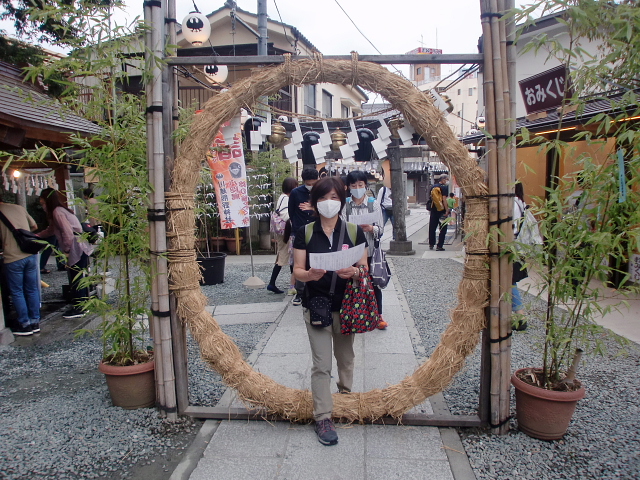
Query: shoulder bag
{"type": "Point", "coordinates": [27, 241]}
{"type": "Point", "coordinates": [277, 222]}
{"type": "Point", "coordinates": [320, 315]}
{"type": "Point", "coordinates": [359, 311]}
{"type": "Point", "coordinates": [380, 272]}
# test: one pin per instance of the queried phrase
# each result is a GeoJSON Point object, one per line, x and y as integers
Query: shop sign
{"type": "Point", "coordinates": [546, 90]}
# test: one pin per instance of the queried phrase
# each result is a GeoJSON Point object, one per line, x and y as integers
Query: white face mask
{"type": "Point", "coordinates": [358, 192]}
{"type": "Point", "coordinates": [329, 208]}
{"type": "Point", "coordinates": [309, 187]}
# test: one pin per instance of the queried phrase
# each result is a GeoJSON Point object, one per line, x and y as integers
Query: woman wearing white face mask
{"type": "Point", "coordinates": [359, 204]}
{"type": "Point", "coordinates": [322, 236]}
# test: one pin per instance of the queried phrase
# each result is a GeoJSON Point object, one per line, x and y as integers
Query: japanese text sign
{"type": "Point", "coordinates": [546, 90]}
{"type": "Point", "coordinates": [230, 180]}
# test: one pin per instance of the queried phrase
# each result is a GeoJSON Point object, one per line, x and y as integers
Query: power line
{"type": "Point", "coordinates": [367, 39]}
{"type": "Point", "coordinates": [354, 24]}
{"type": "Point", "coordinates": [284, 30]}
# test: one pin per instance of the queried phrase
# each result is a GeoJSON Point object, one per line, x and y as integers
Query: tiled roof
{"type": "Point", "coordinates": [592, 108]}
{"type": "Point", "coordinates": [24, 103]}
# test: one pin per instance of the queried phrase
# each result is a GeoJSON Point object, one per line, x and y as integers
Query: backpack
{"type": "Point", "coordinates": [528, 231]}
{"type": "Point", "coordinates": [277, 222]}
{"type": "Point", "coordinates": [429, 200]}
{"type": "Point", "coordinates": [349, 206]}
{"type": "Point", "coordinates": [352, 231]}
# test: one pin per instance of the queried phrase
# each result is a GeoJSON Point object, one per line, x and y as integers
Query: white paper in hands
{"type": "Point", "coordinates": [334, 261]}
{"type": "Point", "coordinates": [365, 218]}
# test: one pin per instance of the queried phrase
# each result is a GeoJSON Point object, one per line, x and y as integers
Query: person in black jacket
{"type": "Point", "coordinates": [300, 213]}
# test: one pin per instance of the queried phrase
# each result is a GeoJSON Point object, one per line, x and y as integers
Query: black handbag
{"type": "Point", "coordinates": [27, 241]}
{"type": "Point", "coordinates": [320, 315]}
{"type": "Point", "coordinates": [519, 272]}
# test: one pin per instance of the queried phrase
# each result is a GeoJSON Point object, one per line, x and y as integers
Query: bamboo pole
{"type": "Point", "coordinates": [160, 224]}
{"type": "Point", "coordinates": [170, 97]}
{"type": "Point", "coordinates": [505, 204]}
{"type": "Point", "coordinates": [154, 324]}
{"type": "Point", "coordinates": [492, 154]}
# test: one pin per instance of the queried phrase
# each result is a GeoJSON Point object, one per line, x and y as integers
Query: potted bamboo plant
{"type": "Point", "coordinates": [590, 217]}
{"type": "Point", "coordinates": [116, 159]}
{"type": "Point", "coordinates": [576, 222]}
{"type": "Point", "coordinates": [210, 258]}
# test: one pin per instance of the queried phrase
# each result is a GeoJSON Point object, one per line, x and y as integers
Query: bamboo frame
{"type": "Point", "coordinates": [498, 111]}
{"type": "Point", "coordinates": [161, 321]}
{"type": "Point", "coordinates": [499, 108]}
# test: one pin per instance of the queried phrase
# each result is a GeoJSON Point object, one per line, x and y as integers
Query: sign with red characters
{"type": "Point", "coordinates": [226, 159]}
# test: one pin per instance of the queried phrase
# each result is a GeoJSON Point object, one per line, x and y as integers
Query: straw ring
{"type": "Point", "coordinates": [467, 320]}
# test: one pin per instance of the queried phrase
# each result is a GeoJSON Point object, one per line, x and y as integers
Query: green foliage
{"type": "Point", "coordinates": [116, 157]}
{"type": "Point", "coordinates": [59, 22]}
{"type": "Point", "coordinates": [590, 231]}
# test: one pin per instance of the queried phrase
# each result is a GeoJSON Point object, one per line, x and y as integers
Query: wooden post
{"type": "Point", "coordinates": [399, 246]}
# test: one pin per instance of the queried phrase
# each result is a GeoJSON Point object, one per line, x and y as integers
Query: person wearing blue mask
{"type": "Point", "coordinates": [300, 213]}
{"type": "Point", "coordinates": [359, 203]}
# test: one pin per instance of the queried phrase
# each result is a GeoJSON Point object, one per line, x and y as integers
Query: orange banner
{"type": "Point", "coordinates": [228, 172]}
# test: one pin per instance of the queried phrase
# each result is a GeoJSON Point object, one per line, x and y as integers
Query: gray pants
{"type": "Point", "coordinates": [322, 340]}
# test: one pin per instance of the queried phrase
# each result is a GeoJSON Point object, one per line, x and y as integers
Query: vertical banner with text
{"type": "Point", "coordinates": [228, 171]}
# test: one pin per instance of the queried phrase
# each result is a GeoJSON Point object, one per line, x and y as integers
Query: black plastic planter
{"type": "Point", "coordinates": [213, 268]}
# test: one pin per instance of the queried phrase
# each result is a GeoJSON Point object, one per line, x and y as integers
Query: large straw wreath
{"type": "Point", "coordinates": [467, 319]}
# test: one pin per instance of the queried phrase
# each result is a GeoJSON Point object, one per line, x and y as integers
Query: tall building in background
{"type": "Point", "coordinates": [425, 72]}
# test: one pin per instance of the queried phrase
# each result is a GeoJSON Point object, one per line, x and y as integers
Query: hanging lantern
{"type": "Point", "coordinates": [196, 28]}
{"type": "Point", "coordinates": [308, 140]}
{"type": "Point", "coordinates": [278, 135]}
{"type": "Point", "coordinates": [216, 73]}
{"type": "Point", "coordinates": [365, 149]}
{"type": "Point", "coordinates": [338, 138]}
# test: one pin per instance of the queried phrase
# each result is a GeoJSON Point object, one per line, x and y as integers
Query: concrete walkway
{"type": "Point", "coordinates": [281, 450]}
{"type": "Point", "coordinates": [238, 450]}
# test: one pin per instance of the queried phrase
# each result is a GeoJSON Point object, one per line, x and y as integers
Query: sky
{"type": "Point", "coordinates": [394, 27]}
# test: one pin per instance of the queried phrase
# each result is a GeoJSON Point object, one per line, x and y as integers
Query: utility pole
{"type": "Point", "coordinates": [262, 27]}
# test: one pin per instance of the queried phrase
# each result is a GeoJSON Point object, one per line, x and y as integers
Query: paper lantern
{"type": "Point", "coordinates": [196, 28]}
{"type": "Point", "coordinates": [216, 73]}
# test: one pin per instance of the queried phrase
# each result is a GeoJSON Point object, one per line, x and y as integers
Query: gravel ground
{"type": "Point", "coordinates": [603, 440]}
{"type": "Point", "coordinates": [56, 419]}
{"type": "Point", "coordinates": [232, 292]}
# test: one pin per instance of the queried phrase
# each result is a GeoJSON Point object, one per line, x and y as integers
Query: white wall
{"type": "Point", "coordinates": [462, 101]}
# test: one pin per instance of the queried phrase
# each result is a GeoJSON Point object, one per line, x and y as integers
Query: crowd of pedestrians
{"type": "Point", "coordinates": [21, 272]}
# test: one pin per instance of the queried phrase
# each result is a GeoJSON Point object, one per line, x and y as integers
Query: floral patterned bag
{"type": "Point", "coordinates": [359, 311]}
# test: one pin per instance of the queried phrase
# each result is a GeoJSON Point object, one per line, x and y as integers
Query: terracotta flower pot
{"type": "Point", "coordinates": [217, 243]}
{"type": "Point", "coordinates": [543, 414]}
{"type": "Point", "coordinates": [132, 386]}
{"type": "Point", "coordinates": [231, 244]}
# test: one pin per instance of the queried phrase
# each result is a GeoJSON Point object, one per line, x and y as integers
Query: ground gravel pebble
{"type": "Point", "coordinates": [56, 418]}
{"type": "Point", "coordinates": [603, 439]}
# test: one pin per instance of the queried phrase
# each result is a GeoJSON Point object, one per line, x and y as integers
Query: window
{"type": "Point", "coordinates": [310, 100]}
{"type": "Point", "coordinates": [344, 113]}
{"type": "Point", "coordinates": [459, 91]}
{"type": "Point", "coordinates": [471, 92]}
{"type": "Point", "coordinates": [282, 99]}
{"type": "Point", "coordinates": [327, 104]}
{"type": "Point", "coordinates": [419, 71]}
